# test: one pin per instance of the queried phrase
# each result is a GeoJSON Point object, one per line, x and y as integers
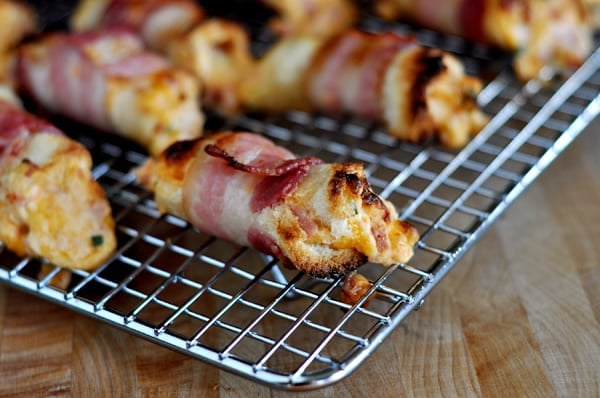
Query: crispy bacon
{"type": "Point", "coordinates": [320, 18]}
{"type": "Point", "coordinates": [319, 218]}
{"type": "Point", "coordinates": [354, 287]}
{"type": "Point", "coordinates": [281, 169]}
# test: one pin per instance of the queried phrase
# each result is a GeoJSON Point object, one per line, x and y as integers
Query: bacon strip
{"type": "Point", "coordinates": [14, 122]}
{"type": "Point", "coordinates": [540, 32]}
{"type": "Point", "coordinates": [158, 22]}
{"type": "Point", "coordinates": [215, 50]}
{"type": "Point", "coordinates": [416, 91]}
{"type": "Point", "coordinates": [327, 72]}
{"type": "Point", "coordinates": [319, 218]}
{"type": "Point", "coordinates": [107, 80]}
{"type": "Point", "coordinates": [284, 168]}
{"type": "Point", "coordinates": [50, 206]}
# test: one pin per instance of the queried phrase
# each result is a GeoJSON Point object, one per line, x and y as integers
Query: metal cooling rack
{"type": "Point", "coordinates": [237, 309]}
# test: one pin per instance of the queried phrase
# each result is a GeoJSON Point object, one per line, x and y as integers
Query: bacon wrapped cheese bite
{"type": "Point", "coordinates": [320, 18]}
{"type": "Point", "coordinates": [215, 50]}
{"type": "Point", "coordinates": [107, 80]}
{"type": "Point", "coordinates": [218, 52]}
{"type": "Point", "coordinates": [50, 206]}
{"type": "Point", "coordinates": [541, 32]}
{"type": "Point", "coordinates": [319, 218]}
{"type": "Point", "coordinates": [417, 92]}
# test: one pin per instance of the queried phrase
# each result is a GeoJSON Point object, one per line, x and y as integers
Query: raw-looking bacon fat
{"type": "Point", "coordinates": [50, 206]}
{"type": "Point", "coordinates": [383, 49]}
{"type": "Point", "coordinates": [325, 85]}
{"type": "Point", "coordinates": [107, 80]}
{"type": "Point", "coordinates": [317, 217]}
{"type": "Point", "coordinates": [227, 200]}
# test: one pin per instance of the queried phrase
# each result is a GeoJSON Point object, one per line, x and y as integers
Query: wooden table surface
{"type": "Point", "coordinates": [518, 316]}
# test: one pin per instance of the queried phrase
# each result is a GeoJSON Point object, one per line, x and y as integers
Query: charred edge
{"type": "Point", "coordinates": [334, 270]}
{"type": "Point", "coordinates": [179, 151]}
{"type": "Point", "coordinates": [369, 198]}
{"type": "Point", "coordinates": [342, 179]}
{"type": "Point", "coordinates": [358, 186]}
{"type": "Point", "coordinates": [224, 46]}
{"type": "Point", "coordinates": [428, 65]}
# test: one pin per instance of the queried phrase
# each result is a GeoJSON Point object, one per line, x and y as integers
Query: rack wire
{"type": "Point", "coordinates": [237, 309]}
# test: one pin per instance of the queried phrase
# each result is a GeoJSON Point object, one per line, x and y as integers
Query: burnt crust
{"type": "Point", "coordinates": [180, 151]}
{"type": "Point", "coordinates": [345, 261]}
{"type": "Point", "coordinates": [345, 178]}
{"type": "Point", "coordinates": [428, 64]}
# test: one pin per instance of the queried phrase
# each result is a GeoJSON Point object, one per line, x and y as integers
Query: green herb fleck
{"type": "Point", "coordinates": [97, 240]}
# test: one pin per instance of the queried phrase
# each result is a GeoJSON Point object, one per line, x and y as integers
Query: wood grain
{"type": "Point", "coordinates": [518, 316]}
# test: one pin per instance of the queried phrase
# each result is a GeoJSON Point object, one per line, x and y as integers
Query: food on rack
{"type": "Point", "coordinates": [560, 36]}
{"type": "Point", "coordinates": [50, 205]}
{"type": "Point", "coordinates": [316, 217]}
{"type": "Point", "coordinates": [541, 32]}
{"type": "Point", "coordinates": [320, 18]}
{"type": "Point", "coordinates": [18, 20]}
{"type": "Point", "coordinates": [218, 52]}
{"type": "Point", "coordinates": [416, 91]}
{"type": "Point", "coordinates": [159, 22]}
{"type": "Point", "coordinates": [354, 287]}
{"type": "Point", "coordinates": [108, 80]}
{"type": "Point", "coordinates": [215, 50]}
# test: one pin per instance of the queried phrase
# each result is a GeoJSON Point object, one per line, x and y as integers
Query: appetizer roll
{"type": "Point", "coordinates": [541, 32]}
{"type": "Point", "coordinates": [416, 91]}
{"type": "Point", "coordinates": [50, 206]}
{"type": "Point", "coordinates": [218, 53]}
{"type": "Point", "coordinates": [316, 217]}
{"type": "Point", "coordinates": [159, 22]}
{"type": "Point", "coordinates": [215, 50]}
{"type": "Point", "coordinates": [321, 18]}
{"type": "Point", "coordinates": [106, 79]}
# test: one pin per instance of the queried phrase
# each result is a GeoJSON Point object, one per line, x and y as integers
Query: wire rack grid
{"type": "Point", "coordinates": [237, 309]}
